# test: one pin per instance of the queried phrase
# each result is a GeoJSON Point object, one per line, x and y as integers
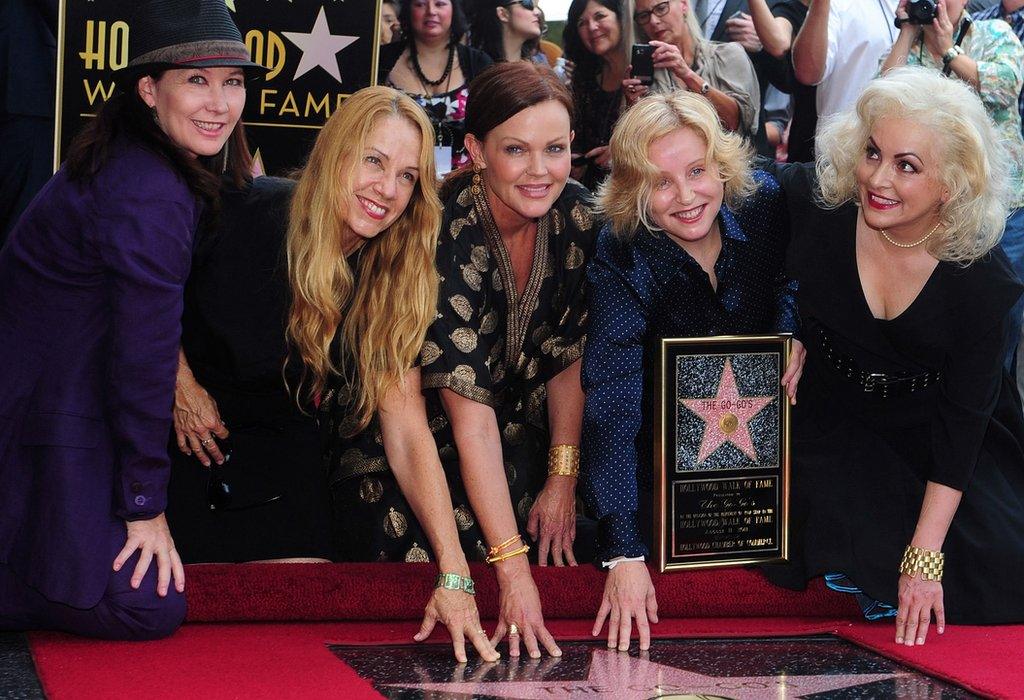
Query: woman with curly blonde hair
{"type": "Point", "coordinates": [364, 225]}
{"type": "Point", "coordinates": [908, 440]}
{"type": "Point", "coordinates": [694, 247]}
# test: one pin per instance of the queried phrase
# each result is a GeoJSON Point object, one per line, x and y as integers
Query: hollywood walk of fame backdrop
{"type": "Point", "coordinates": [735, 669]}
{"type": "Point", "coordinates": [722, 451]}
{"type": "Point", "coordinates": [317, 51]}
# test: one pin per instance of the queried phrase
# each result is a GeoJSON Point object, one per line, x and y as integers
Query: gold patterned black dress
{"type": "Point", "coordinates": [486, 344]}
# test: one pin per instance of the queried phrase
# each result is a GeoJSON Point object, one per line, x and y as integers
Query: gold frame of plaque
{"type": "Point", "coordinates": [734, 510]}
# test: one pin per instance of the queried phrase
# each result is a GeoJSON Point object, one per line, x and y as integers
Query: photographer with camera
{"type": "Point", "coordinates": [1011, 12]}
{"type": "Point", "coordinates": [988, 56]}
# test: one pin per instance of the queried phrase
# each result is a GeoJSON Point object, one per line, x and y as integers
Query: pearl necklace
{"type": "Point", "coordinates": [896, 243]}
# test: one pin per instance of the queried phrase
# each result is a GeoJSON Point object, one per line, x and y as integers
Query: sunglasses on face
{"type": "Point", "coordinates": [659, 10]}
{"type": "Point", "coordinates": [528, 5]}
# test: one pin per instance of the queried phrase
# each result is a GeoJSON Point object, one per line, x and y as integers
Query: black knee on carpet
{"type": "Point", "coordinates": [152, 618]}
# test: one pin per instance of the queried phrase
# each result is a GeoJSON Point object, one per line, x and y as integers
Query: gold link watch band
{"type": "Point", "coordinates": [929, 563]}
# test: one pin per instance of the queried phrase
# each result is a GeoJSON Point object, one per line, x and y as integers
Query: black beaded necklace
{"type": "Point", "coordinates": [419, 71]}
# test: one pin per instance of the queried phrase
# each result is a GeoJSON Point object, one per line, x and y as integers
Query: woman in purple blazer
{"type": "Point", "coordinates": [91, 285]}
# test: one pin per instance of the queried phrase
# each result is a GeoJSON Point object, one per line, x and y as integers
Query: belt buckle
{"type": "Point", "coordinates": [872, 379]}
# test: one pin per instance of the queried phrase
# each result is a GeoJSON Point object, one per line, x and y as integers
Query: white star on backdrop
{"type": "Point", "coordinates": [627, 677]}
{"type": "Point", "coordinates": [319, 47]}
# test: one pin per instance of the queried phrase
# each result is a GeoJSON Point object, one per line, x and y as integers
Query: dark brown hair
{"type": "Point", "coordinates": [505, 89]}
{"type": "Point", "coordinates": [125, 115]}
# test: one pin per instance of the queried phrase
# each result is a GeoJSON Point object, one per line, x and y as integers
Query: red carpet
{"type": "Point", "coordinates": [383, 603]}
{"type": "Point", "coordinates": [293, 592]}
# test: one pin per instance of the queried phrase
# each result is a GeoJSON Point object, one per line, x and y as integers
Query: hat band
{"type": "Point", "coordinates": [196, 59]}
{"type": "Point", "coordinates": [193, 51]}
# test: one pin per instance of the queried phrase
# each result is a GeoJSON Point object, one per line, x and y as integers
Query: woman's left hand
{"type": "Point", "coordinates": [918, 599]}
{"type": "Point", "coordinates": [457, 611]}
{"type": "Point", "coordinates": [519, 605]}
{"type": "Point", "coordinates": [795, 368]}
{"type": "Point", "coordinates": [938, 36]}
{"type": "Point", "coordinates": [552, 521]}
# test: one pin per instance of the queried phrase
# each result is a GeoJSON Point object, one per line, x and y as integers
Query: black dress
{"type": "Point", "coordinates": [487, 346]}
{"type": "Point", "coordinates": [233, 335]}
{"type": "Point", "coordinates": [861, 458]}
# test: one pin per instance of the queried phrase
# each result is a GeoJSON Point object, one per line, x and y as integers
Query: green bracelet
{"type": "Point", "coordinates": [454, 582]}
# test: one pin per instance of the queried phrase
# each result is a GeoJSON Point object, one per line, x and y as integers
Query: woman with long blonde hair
{"type": "Point", "coordinates": [500, 361]}
{"type": "Point", "coordinates": [364, 225]}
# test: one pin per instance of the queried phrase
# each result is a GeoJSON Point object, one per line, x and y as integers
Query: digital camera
{"type": "Point", "coordinates": [921, 11]}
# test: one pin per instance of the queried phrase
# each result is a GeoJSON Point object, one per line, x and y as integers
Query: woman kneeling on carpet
{"type": "Point", "coordinates": [694, 247]}
{"type": "Point", "coordinates": [91, 285]}
{"type": "Point", "coordinates": [501, 358]}
{"type": "Point", "coordinates": [360, 253]}
{"type": "Point", "coordinates": [258, 493]}
{"type": "Point", "coordinates": [908, 451]}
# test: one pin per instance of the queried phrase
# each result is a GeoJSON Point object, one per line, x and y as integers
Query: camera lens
{"type": "Point", "coordinates": [921, 11]}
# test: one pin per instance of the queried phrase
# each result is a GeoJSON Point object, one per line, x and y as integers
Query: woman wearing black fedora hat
{"type": "Point", "coordinates": [91, 286]}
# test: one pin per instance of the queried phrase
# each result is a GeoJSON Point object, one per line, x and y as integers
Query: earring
{"type": "Point", "coordinates": [476, 187]}
{"type": "Point", "coordinates": [224, 154]}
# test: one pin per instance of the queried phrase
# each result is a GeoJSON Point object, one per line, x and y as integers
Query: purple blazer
{"type": "Point", "coordinates": [91, 282]}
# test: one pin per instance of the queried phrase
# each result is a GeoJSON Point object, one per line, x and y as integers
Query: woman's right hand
{"type": "Point", "coordinates": [519, 604]}
{"type": "Point", "coordinates": [457, 611]}
{"type": "Point", "coordinates": [153, 540]}
{"type": "Point", "coordinates": [196, 419]}
{"type": "Point", "coordinates": [628, 594]}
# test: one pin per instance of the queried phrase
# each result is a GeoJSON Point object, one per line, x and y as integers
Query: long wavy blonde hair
{"type": "Point", "coordinates": [387, 314]}
{"type": "Point", "coordinates": [624, 198]}
{"type": "Point", "coordinates": [973, 162]}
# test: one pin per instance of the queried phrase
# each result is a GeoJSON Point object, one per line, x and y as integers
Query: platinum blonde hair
{"type": "Point", "coordinates": [973, 163]}
{"type": "Point", "coordinates": [700, 43]}
{"type": "Point", "coordinates": [624, 197]}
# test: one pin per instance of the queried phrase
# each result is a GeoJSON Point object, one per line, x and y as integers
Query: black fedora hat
{"type": "Point", "coordinates": [167, 34]}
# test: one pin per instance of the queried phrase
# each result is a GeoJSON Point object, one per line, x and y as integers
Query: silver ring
{"type": "Point", "coordinates": [206, 442]}
{"type": "Point", "coordinates": [513, 630]}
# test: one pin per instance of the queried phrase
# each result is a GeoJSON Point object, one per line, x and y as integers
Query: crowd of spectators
{"type": "Point", "coordinates": [771, 68]}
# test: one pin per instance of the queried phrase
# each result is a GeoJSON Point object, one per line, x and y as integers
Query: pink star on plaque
{"type": "Point", "coordinates": [726, 416]}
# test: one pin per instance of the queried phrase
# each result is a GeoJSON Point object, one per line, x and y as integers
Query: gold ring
{"type": "Point", "coordinates": [513, 630]}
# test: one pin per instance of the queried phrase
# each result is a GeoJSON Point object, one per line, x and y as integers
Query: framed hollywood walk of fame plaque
{"type": "Point", "coordinates": [721, 451]}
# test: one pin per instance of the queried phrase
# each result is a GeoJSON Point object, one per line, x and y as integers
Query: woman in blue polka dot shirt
{"type": "Point", "coordinates": [695, 246]}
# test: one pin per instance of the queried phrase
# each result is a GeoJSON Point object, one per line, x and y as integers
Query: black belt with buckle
{"type": "Point", "coordinates": [880, 384]}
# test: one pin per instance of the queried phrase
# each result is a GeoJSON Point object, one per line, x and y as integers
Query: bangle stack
{"type": "Point", "coordinates": [564, 460]}
{"type": "Point", "coordinates": [456, 582]}
{"type": "Point", "coordinates": [496, 554]}
{"type": "Point", "coordinates": [929, 563]}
